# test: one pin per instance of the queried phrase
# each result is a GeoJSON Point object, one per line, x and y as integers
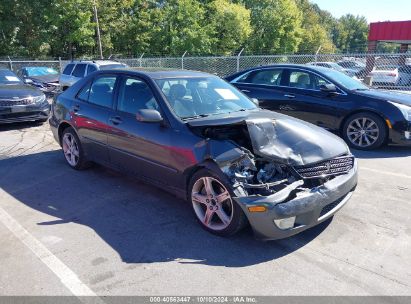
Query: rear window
{"type": "Point", "coordinates": [79, 70]}
{"type": "Point", "coordinates": [68, 69]}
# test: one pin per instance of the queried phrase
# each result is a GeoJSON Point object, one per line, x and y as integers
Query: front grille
{"type": "Point", "coordinates": [330, 207]}
{"type": "Point", "coordinates": [16, 102]}
{"type": "Point", "coordinates": [336, 166]}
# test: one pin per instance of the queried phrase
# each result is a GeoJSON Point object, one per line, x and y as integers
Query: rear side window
{"type": "Point", "coordinates": [101, 91]}
{"type": "Point", "coordinates": [79, 70]}
{"type": "Point", "coordinates": [267, 77]}
{"type": "Point", "coordinates": [84, 92]}
{"type": "Point", "coordinates": [68, 69]}
{"type": "Point", "coordinates": [91, 68]}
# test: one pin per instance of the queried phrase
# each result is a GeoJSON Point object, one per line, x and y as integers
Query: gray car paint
{"type": "Point", "coordinates": [176, 151]}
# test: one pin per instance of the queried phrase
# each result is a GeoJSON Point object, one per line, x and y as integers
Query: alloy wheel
{"type": "Point", "coordinates": [212, 203]}
{"type": "Point", "coordinates": [71, 149]}
{"type": "Point", "coordinates": [363, 132]}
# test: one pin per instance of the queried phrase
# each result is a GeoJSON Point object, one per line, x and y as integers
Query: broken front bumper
{"type": "Point", "coordinates": [309, 207]}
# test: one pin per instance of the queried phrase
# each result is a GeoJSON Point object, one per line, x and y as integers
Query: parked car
{"type": "Point", "coordinates": [19, 101]}
{"type": "Point", "coordinates": [76, 70]}
{"type": "Point", "coordinates": [46, 79]}
{"type": "Point", "coordinates": [358, 67]}
{"type": "Point", "coordinates": [197, 136]}
{"type": "Point", "coordinates": [334, 66]}
{"type": "Point", "coordinates": [366, 118]}
{"type": "Point", "coordinates": [391, 75]}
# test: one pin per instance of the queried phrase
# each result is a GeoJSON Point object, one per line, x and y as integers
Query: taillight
{"type": "Point", "coordinates": [394, 74]}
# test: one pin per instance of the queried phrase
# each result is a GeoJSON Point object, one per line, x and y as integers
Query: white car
{"type": "Point", "coordinates": [389, 75]}
{"type": "Point", "coordinates": [76, 70]}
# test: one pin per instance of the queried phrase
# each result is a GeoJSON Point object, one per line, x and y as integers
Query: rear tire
{"type": "Point", "coordinates": [73, 150]}
{"type": "Point", "coordinates": [364, 131]}
{"type": "Point", "coordinates": [212, 201]}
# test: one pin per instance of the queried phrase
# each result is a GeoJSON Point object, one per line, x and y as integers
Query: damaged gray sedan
{"type": "Point", "coordinates": [195, 135]}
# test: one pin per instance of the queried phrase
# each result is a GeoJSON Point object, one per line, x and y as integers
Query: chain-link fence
{"type": "Point", "coordinates": [388, 71]}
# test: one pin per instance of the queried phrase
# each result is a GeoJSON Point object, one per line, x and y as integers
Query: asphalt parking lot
{"type": "Point", "coordinates": [66, 232]}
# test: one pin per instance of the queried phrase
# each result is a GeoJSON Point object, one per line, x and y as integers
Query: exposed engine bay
{"type": "Point", "coordinates": [258, 172]}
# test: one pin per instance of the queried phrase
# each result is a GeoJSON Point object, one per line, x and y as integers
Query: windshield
{"type": "Point", "coordinates": [202, 96]}
{"type": "Point", "coordinates": [40, 71]}
{"type": "Point", "coordinates": [336, 66]}
{"type": "Point", "coordinates": [8, 77]}
{"type": "Point", "coordinates": [344, 80]}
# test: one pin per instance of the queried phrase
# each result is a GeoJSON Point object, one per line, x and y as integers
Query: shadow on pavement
{"type": "Point", "coordinates": [20, 125]}
{"type": "Point", "coordinates": [140, 222]}
{"type": "Point", "coordinates": [384, 152]}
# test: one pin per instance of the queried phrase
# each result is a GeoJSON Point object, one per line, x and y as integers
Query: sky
{"type": "Point", "coordinates": [373, 10]}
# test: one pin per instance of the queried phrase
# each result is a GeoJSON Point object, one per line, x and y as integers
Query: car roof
{"type": "Point", "coordinates": [159, 73]}
{"type": "Point", "coordinates": [290, 65]}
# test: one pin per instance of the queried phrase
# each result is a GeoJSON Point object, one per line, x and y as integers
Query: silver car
{"type": "Point", "coordinates": [76, 70]}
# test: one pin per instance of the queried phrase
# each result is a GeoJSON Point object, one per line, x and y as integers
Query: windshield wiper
{"type": "Point", "coordinates": [195, 116]}
{"type": "Point", "coordinates": [361, 89]}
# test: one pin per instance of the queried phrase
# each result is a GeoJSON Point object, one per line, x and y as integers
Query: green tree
{"type": "Point", "coordinates": [72, 29]}
{"type": "Point", "coordinates": [231, 25]}
{"type": "Point", "coordinates": [182, 27]}
{"type": "Point", "coordinates": [350, 34]}
{"type": "Point", "coordinates": [316, 30]}
{"type": "Point", "coordinates": [276, 25]}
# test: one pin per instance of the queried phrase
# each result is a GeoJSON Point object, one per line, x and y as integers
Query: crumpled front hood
{"type": "Point", "coordinates": [282, 138]}
{"type": "Point", "coordinates": [45, 78]}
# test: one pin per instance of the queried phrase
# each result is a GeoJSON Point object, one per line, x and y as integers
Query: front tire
{"type": "Point", "coordinates": [73, 150]}
{"type": "Point", "coordinates": [213, 204]}
{"type": "Point", "coordinates": [364, 131]}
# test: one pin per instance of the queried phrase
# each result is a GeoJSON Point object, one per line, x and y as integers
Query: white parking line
{"type": "Point", "coordinates": [65, 274]}
{"type": "Point", "coordinates": [386, 172]}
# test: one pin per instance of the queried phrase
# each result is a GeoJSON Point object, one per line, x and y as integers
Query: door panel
{"type": "Point", "coordinates": [91, 112]}
{"type": "Point", "coordinates": [305, 100]}
{"type": "Point", "coordinates": [140, 148]}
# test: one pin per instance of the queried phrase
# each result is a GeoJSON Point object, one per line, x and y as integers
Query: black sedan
{"type": "Point", "coordinates": [19, 101]}
{"type": "Point", "coordinates": [196, 136]}
{"type": "Point", "coordinates": [364, 117]}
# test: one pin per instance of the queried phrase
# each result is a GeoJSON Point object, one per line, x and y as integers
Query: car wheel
{"type": "Point", "coordinates": [72, 149]}
{"type": "Point", "coordinates": [213, 204]}
{"type": "Point", "coordinates": [364, 131]}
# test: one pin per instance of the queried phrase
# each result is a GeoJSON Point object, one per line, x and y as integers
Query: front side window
{"type": "Point", "coordinates": [305, 80]}
{"type": "Point", "coordinates": [101, 91]}
{"type": "Point", "coordinates": [79, 70]}
{"type": "Point", "coordinates": [202, 96]}
{"type": "Point", "coordinates": [68, 69]}
{"type": "Point", "coordinates": [135, 95]}
{"type": "Point", "coordinates": [91, 68]}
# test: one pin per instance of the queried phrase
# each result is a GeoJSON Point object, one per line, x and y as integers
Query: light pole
{"type": "Point", "coordinates": [98, 29]}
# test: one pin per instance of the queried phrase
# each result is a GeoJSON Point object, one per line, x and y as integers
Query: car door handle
{"type": "Point", "coordinates": [289, 95]}
{"type": "Point", "coordinates": [246, 91]}
{"type": "Point", "coordinates": [115, 120]}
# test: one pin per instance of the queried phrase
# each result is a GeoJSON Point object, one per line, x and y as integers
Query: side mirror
{"type": "Point", "coordinates": [328, 88]}
{"type": "Point", "coordinates": [149, 115]}
{"type": "Point", "coordinates": [255, 101]}
{"type": "Point", "coordinates": [28, 80]}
